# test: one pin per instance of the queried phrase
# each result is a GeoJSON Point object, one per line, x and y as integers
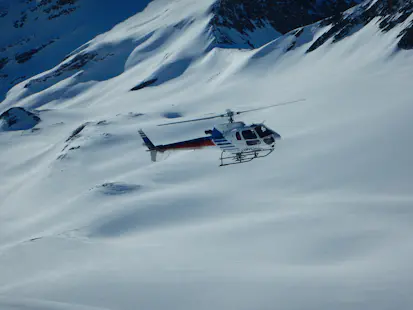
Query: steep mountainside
{"type": "Point", "coordinates": [41, 34]}
{"type": "Point", "coordinates": [394, 17]}
{"type": "Point", "coordinates": [246, 24]}
{"type": "Point", "coordinates": [37, 35]}
{"type": "Point", "coordinates": [99, 60]}
{"type": "Point", "coordinates": [388, 15]}
{"type": "Point", "coordinates": [88, 222]}
{"type": "Point", "coordinates": [250, 24]}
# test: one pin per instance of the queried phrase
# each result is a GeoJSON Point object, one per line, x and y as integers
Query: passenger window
{"type": "Point", "coordinates": [238, 136]}
{"type": "Point", "coordinates": [253, 142]}
{"type": "Point", "coordinates": [249, 134]}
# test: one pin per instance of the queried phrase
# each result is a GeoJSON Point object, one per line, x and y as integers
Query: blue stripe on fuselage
{"type": "Point", "coordinates": [216, 134]}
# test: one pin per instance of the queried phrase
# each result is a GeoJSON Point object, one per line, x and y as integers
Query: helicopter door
{"type": "Point", "coordinates": [250, 137]}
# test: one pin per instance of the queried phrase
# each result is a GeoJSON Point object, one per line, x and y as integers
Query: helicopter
{"type": "Point", "coordinates": [239, 143]}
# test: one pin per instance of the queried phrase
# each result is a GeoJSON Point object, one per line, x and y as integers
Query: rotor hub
{"type": "Point", "coordinates": [230, 115]}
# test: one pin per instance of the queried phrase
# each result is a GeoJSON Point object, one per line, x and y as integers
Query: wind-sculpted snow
{"type": "Point", "coordinates": [87, 221]}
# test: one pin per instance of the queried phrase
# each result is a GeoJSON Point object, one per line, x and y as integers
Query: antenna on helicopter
{"type": "Point", "coordinates": [230, 114]}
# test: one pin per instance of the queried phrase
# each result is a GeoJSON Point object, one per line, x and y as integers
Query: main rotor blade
{"type": "Point", "coordinates": [194, 120]}
{"type": "Point", "coordinates": [270, 106]}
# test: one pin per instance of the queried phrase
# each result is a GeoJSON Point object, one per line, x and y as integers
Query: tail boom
{"type": "Point", "coordinates": [188, 144]}
{"type": "Point", "coordinates": [181, 145]}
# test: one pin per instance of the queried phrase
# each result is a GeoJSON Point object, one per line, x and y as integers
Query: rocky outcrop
{"type": "Point", "coordinates": [3, 12]}
{"type": "Point", "coordinates": [3, 62]}
{"type": "Point", "coordinates": [390, 14]}
{"type": "Point", "coordinates": [406, 41]}
{"type": "Point", "coordinates": [25, 56]}
{"type": "Point", "coordinates": [53, 8]}
{"type": "Point", "coordinates": [77, 62]}
{"type": "Point", "coordinates": [144, 84]}
{"type": "Point", "coordinates": [20, 42]}
{"type": "Point", "coordinates": [18, 119]}
{"type": "Point", "coordinates": [76, 132]}
{"type": "Point", "coordinates": [247, 17]}
{"type": "Point", "coordinates": [21, 21]}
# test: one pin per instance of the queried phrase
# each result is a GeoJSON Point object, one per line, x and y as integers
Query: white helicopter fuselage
{"type": "Point", "coordinates": [236, 137]}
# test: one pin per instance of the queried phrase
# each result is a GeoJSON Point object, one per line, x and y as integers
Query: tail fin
{"type": "Point", "coordinates": [149, 145]}
{"type": "Point", "coordinates": [145, 139]}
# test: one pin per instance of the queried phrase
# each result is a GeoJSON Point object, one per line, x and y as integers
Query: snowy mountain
{"type": "Point", "coordinates": [388, 14]}
{"type": "Point", "coordinates": [87, 221]}
{"type": "Point", "coordinates": [39, 34]}
{"type": "Point", "coordinates": [251, 24]}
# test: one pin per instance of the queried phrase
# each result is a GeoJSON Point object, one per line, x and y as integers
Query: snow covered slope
{"type": "Point", "coordinates": [251, 24]}
{"type": "Point", "coordinates": [39, 34]}
{"type": "Point", "coordinates": [87, 221]}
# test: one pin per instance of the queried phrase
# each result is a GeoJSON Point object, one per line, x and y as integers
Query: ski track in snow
{"type": "Point", "coordinates": [87, 221]}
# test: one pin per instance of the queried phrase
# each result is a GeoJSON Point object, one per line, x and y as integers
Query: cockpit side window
{"type": "Point", "coordinates": [238, 136]}
{"type": "Point", "coordinates": [262, 131]}
{"type": "Point", "coordinates": [249, 134]}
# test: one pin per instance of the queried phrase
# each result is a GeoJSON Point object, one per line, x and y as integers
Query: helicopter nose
{"type": "Point", "coordinates": [276, 136]}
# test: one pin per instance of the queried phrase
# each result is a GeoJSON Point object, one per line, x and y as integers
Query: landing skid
{"type": "Point", "coordinates": [244, 157]}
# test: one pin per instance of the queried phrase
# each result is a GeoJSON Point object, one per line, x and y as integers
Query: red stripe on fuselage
{"type": "Point", "coordinates": [189, 144]}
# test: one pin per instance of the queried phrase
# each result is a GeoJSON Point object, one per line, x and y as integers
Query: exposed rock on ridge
{"type": "Point", "coordinates": [246, 17]}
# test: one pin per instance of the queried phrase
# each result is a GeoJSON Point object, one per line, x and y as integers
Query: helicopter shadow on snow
{"type": "Point", "coordinates": [117, 188]}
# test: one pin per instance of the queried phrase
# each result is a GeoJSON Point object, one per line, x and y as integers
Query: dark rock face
{"type": "Point", "coordinates": [3, 62]}
{"type": "Point", "coordinates": [18, 119]}
{"type": "Point", "coordinates": [54, 8]}
{"type": "Point", "coordinates": [21, 21]}
{"type": "Point", "coordinates": [73, 136]}
{"type": "Point", "coordinates": [283, 16]}
{"type": "Point", "coordinates": [390, 14]}
{"type": "Point", "coordinates": [144, 84]}
{"type": "Point", "coordinates": [406, 42]}
{"type": "Point", "coordinates": [246, 17]}
{"type": "Point", "coordinates": [3, 12]}
{"type": "Point", "coordinates": [76, 132]}
{"type": "Point", "coordinates": [23, 57]}
{"type": "Point", "coordinates": [51, 8]}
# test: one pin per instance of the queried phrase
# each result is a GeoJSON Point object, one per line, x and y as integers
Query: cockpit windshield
{"type": "Point", "coordinates": [249, 134]}
{"type": "Point", "coordinates": [262, 131]}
